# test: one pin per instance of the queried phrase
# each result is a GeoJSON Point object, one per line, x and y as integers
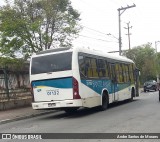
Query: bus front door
{"type": "Point", "coordinates": [114, 85]}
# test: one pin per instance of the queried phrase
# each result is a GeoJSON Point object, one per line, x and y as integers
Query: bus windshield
{"type": "Point", "coordinates": [51, 63]}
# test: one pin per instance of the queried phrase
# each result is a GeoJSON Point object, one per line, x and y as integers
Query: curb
{"type": "Point", "coordinates": [26, 117]}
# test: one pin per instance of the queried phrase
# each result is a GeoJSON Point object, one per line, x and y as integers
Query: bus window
{"type": "Point", "coordinates": [88, 68]}
{"type": "Point", "coordinates": [121, 73]}
{"type": "Point", "coordinates": [101, 68]}
{"type": "Point", "coordinates": [81, 66]}
{"type": "Point", "coordinates": [107, 69]}
{"type": "Point", "coordinates": [127, 73]}
{"type": "Point", "coordinates": [94, 67]}
{"type": "Point", "coordinates": [110, 71]}
{"type": "Point", "coordinates": [51, 63]}
{"type": "Point", "coordinates": [131, 72]}
{"type": "Point", "coordinates": [117, 72]}
{"type": "Point", "coordinates": [124, 73]}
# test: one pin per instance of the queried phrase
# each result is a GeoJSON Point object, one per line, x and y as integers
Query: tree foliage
{"type": "Point", "coordinates": [13, 64]}
{"type": "Point", "coordinates": [30, 26]}
{"type": "Point", "coordinates": [145, 59]}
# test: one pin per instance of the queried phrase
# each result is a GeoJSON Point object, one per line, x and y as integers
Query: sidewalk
{"type": "Point", "coordinates": [7, 116]}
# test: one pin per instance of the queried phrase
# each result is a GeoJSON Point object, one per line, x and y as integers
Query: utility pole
{"type": "Point", "coordinates": [128, 28]}
{"type": "Point", "coordinates": [120, 12]}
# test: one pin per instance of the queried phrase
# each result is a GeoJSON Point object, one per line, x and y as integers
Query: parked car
{"type": "Point", "coordinates": [151, 85]}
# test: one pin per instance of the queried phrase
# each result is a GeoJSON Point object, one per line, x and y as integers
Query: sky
{"type": "Point", "coordinates": [100, 18]}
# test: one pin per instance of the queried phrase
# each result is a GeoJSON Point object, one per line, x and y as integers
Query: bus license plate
{"type": "Point", "coordinates": [51, 104]}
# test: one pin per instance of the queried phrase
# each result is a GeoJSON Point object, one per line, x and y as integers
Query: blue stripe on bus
{"type": "Point", "coordinates": [57, 83]}
{"type": "Point", "coordinates": [99, 85]}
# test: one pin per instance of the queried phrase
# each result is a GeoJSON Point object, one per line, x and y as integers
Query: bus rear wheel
{"type": "Point", "coordinates": [105, 102]}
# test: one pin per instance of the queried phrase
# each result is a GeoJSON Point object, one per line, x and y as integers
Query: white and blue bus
{"type": "Point", "coordinates": [70, 78]}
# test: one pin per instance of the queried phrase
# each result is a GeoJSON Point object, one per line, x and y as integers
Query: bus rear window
{"type": "Point", "coordinates": [51, 63]}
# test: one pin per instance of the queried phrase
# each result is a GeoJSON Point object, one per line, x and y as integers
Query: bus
{"type": "Point", "coordinates": [72, 78]}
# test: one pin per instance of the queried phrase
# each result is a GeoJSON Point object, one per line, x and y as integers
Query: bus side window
{"type": "Point", "coordinates": [127, 73]}
{"type": "Point", "coordinates": [107, 69]}
{"type": "Point", "coordinates": [124, 73]}
{"type": "Point", "coordinates": [131, 72]}
{"type": "Point", "coordinates": [110, 71]}
{"type": "Point", "coordinates": [121, 73]}
{"type": "Point", "coordinates": [82, 66]}
{"type": "Point", "coordinates": [94, 67]}
{"type": "Point", "coordinates": [117, 72]}
{"type": "Point", "coordinates": [101, 68]}
{"type": "Point", "coordinates": [88, 68]}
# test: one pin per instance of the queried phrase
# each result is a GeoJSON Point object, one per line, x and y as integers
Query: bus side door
{"type": "Point", "coordinates": [114, 85]}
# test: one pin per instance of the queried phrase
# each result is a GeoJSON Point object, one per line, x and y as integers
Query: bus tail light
{"type": "Point", "coordinates": [75, 89]}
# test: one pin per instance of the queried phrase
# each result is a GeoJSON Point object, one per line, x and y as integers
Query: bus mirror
{"type": "Point", "coordinates": [137, 72]}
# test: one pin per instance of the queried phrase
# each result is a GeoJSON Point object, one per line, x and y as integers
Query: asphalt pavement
{"type": "Point", "coordinates": [11, 115]}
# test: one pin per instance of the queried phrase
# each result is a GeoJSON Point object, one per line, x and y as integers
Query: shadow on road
{"type": "Point", "coordinates": [121, 103]}
{"type": "Point", "coordinates": [85, 111]}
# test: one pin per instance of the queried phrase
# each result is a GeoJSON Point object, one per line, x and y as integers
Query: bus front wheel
{"type": "Point", "coordinates": [132, 94]}
{"type": "Point", "coordinates": [105, 102]}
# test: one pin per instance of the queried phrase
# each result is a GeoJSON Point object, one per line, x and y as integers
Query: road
{"type": "Point", "coordinates": [140, 116]}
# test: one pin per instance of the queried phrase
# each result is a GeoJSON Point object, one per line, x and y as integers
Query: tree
{"type": "Point", "coordinates": [12, 64]}
{"type": "Point", "coordinates": [144, 57]}
{"type": "Point", "coordinates": [30, 26]}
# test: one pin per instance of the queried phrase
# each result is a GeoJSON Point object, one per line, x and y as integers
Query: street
{"type": "Point", "coordinates": [140, 116]}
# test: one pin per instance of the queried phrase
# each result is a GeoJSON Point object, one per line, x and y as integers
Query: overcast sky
{"type": "Point", "coordinates": [102, 16]}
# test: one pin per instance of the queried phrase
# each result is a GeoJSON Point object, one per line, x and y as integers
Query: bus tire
{"type": "Point", "coordinates": [132, 94]}
{"type": "Point", "coordinates": [105, 102]}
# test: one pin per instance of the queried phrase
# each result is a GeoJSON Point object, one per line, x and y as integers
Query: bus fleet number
{"type": "Point", "coordinates": [53, 92]}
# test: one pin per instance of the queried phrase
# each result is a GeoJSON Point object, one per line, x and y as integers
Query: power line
{"type": "Point", "coordinates": [109, 34]}
{"type": "Point", "coordinates": [96, 38]}
{"type": "Point", "coordinates": [96, 31]}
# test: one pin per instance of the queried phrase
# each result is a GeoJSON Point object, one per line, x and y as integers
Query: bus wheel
{"type": "Point", "coordinates": [132, 94]}
{"type": "Point", "coordinates": [105, 102]}
{"type": "Point", "coordinates": [71, 110]}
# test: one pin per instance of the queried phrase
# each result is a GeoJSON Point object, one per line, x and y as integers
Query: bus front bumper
{"type": "Point", "coordinates": [57, 104]}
